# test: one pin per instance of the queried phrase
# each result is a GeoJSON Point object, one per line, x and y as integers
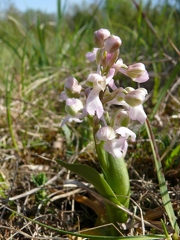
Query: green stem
{"type": "Point", "coordinates": [115, 173]}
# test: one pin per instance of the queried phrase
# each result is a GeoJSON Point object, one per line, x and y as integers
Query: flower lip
{"type": "Point", "coordinates": [95, 79]}
{"type": "Point", "coordinates": [126, 132]}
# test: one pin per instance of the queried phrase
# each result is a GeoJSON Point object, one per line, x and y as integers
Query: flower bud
{"type": "Point", "coordinates": [110, 59]}
{"type": "Point", "coordinates": [135, 97]}
{"type": "Point", "coordinates": [100, 35]}
{"type": "Point", "coordinates": [73, 106]}
{"type": "Point", "coordinates": [136, 70]}
{"type": "Point", "coordinates": [72, 87]}
{"type": "Point", "coordinates": [105, 133]}
{"type": "Point", "coordinates": [112, 43]}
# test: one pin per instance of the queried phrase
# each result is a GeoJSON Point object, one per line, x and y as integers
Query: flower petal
{"type": "Point", "coordinates": [70, 119]}
{"type": "Point", "coordinates": [116, 147]}
{"type": "Point", "coordinates": [91, 56]}
{"type": "Point", "coordinates": [126, 132]}
{"type": "Point", "coordinates": [142, 78]}
{"type": "Point", "coordinates": [110, 75]}
{"type": "Point", "coordinates": [93, 103]}
{"type": "Point", "coordinates": [137, 113]}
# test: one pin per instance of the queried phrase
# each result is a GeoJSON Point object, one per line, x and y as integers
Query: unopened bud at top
{"type": "Point", "coordinates": [72, 87]}
{"type": "Point", "coordinates": [136, 70]}
{"type": "Point", "coordinates": [100, 35]}
{"type": "Point", "coordinates": [112, 43]}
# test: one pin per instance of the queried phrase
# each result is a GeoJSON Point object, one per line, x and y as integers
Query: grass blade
{"type": "Point", "coordinates": [161, 179]}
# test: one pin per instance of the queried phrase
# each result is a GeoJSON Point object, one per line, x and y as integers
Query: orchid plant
{"type": "Point", "coordinates": [111, 133]}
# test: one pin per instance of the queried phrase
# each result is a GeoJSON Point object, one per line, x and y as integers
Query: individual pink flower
{"type": "Point", "coordinates": [95, 79]}
{"type": "Point", "coordinates": [120, 118]}
{"type": "Point", "coordinates": [93, 103]}
{"type": "Point", "coordinates": [73, 106]}
{"type": "Point", "coordinates": [137, 113]}
{"type": "Point", "coordinates": [126, 132]}
{"type": "Point", "coordinates": [117, 147]}
{"type": "Point", "coordinates": [75, 110]}
{"type": "Point", "coordinates": [135, 97]}
{"type": "Point", "coordinates": [136, 72]}
{"type": "Point", "coordinates": [72, 87]}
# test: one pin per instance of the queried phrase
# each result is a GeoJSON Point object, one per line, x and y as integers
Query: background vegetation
{"type": "Point", "coordinates": [38, 51]}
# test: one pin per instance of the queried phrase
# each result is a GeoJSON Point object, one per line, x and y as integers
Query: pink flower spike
{"type": "Point", "coordinates": [137, 113]}
{"type": "Point", "coordinates": [116, 147]}
{"type": "Point", "coordinates": [126, 132]}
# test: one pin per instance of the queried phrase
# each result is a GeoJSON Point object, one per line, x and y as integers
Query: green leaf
{"type": "Point", "coordinates": [93, 177]}
{"type": "Point", "coordinates": [114, 214]}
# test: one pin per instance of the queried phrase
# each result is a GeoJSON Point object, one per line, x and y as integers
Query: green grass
{"type": "Point", "coordinates": [39, 53]}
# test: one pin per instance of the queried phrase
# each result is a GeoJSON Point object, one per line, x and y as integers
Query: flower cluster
{"type": "Point", "coordinates": [101, 91]}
